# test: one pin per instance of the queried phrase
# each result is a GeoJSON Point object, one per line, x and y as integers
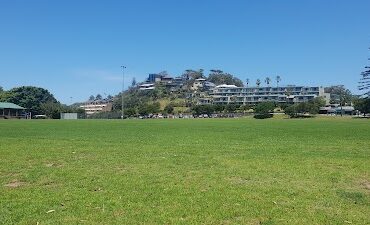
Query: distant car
{"type": "Point", "coordinates": [40, 117]}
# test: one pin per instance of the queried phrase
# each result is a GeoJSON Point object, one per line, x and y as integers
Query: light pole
{"type": "Point", "coordinates": [123, 87]}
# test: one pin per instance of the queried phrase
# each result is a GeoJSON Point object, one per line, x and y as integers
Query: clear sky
{"type": "Point", "coordinates": [75, 48]}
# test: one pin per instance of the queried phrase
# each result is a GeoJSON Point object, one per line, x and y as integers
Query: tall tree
{"type": "Point", "coordinates": [98, 97]}
{"type": "Point", "coordinates": [247, 81]}
{"type": "Point", "coordinates": [219, 77]}
{"type": "Point", "coordinates": [364, 84]}
{"type": "Point", "coordinates": [52, 109]}
{"type": "Point", "coordinates": [312, 107]}
{"type": "Point", "coordinates": [362, 105]}
{"type": "Point", "coordinates": [109, 97]}
{"type": "Point", "coordinates": [91, 98]}
{"type": "Point", "coordinates": [133, 83]}
{"type": "Point", "coordinates": [267, 81]}
{"type": "Point", "coordinates": [163, 73]}
{"type": "Point", "coordinates": [339, 94]}
{"type": "Point", "coordinates": [193, 74]}
{"type": "Point", "coordinates": [258, 82]}
{"type": "Point", "coordinates": [278, 79]}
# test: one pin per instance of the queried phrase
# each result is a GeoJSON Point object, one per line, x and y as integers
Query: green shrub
{"type": "Point", "coordinates": [263, 116]}
{"type": "Point", "coordinates": [263, 110]}
{"type": "Point", "coordinates": [300, 110]}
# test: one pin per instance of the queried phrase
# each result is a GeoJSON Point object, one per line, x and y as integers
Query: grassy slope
{"type": "Point", "coordinates": [246, 171]}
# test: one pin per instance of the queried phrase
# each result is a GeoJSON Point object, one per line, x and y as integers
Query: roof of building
{"type": "Point", "coordinates": [207, 83]}
{"type": "Point", "coordinates": [102, 101]}
{"type": "Point", "coordinates": [146, 85]}
{"type": "Point", "coordinates": [9, 105]}
{"type": "Point", "coordinates": [147, 88]}
{"type": "Point", "coordinates": [338, 108]}
{"type": "Point", "coordinates": [200, 79]}
{"type": "Point", "coordinates": [226, 86]}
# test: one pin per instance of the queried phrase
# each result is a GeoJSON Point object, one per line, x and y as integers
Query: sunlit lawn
{"type": "Point", "coordinates": [200, 171]}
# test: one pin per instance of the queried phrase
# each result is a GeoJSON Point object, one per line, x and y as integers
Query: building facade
{"type": "Point", "coordinates": [169, 82]}
{"type": "Point", "coordinates": [225, 94]}
{"type": "Point", "coordinates": [336, 109]}
{"type": "Point", "coordinates": [153, 77]}
{"type": "Point", "coordinates": [146, 86]}
{"type": "Point", "coordinates": [96, 106]}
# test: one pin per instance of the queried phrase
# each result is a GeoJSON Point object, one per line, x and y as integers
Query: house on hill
{"type": "Point", "coordinates": [146, 86]}
{"type": "Point", "coordinates": [97, 106]}
{"type": "Point", "coordinates": [198, 83]}
{"type": "Point", "coordinates": [10, 110]}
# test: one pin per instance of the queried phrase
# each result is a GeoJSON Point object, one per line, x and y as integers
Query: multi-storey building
{"type": "Point", "coordinates": [96, 106]}
{"type": "Point", "coordinates": [171, 83]}
{"type": "Point", "coordinates": [153, 77]}
{"type": "Point", "coordinates": [225, 94]}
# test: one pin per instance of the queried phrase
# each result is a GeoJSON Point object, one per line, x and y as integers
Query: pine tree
{"type": "Point", "coordinates": [364, 84]}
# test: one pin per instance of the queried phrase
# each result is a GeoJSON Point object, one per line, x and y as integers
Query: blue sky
{"type": "Point", "coordinates": [75, 48]}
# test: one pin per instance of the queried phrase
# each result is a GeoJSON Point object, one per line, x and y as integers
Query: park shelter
{"type": "Point", "coordinates": [10, 110]}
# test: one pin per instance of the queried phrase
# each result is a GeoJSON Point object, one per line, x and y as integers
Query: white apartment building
{"type": "Point", "coordinates": [96, 106]}
{"type": "Point", "coordinates": [225, 94]}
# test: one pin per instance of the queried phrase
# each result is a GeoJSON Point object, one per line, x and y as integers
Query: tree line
{"type": "Point", "coordinates": [36, 100]}
{"type": "Point", "coordinates": [40, 101]}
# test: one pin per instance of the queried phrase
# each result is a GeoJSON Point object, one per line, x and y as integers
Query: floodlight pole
{"type": "Point", "coordinates": [123, 87]}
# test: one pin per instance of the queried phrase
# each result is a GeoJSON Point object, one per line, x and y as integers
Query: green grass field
{"type": "Point", "coordinates": [205, 171]}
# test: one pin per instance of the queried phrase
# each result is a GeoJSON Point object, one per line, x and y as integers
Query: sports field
{"type": "Point", "coordinates": [199, 171]}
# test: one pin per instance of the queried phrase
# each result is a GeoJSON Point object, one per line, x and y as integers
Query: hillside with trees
{"type": "Point", "coordinates": [183, 99]}
{"type": "Point", "coordinates": [218, 77]}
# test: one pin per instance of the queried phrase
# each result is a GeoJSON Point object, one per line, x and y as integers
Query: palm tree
{"type": "Point", "coordinates": [258, 82]}
{"type": "Point", "coordinates": [267, 81]}
{"type": "Point", "coordinates": [278, 79]}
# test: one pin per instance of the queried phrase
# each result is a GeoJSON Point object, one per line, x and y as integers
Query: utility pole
{"type": "Point", "coordinates": [123, 87]}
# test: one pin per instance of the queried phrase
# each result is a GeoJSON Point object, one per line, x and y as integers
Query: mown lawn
{"type": "Point", "coordinates": [200, 171]}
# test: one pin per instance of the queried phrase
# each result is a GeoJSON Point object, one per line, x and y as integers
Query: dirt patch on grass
{"type": "Point", "coordinates": [15, 184]}
{"type": "Point", "coordinates": [53, 165]}
{"type": "Point", "coordinates": [366, 185]}
{"type": "Point", "coordinates": [238, 180]}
